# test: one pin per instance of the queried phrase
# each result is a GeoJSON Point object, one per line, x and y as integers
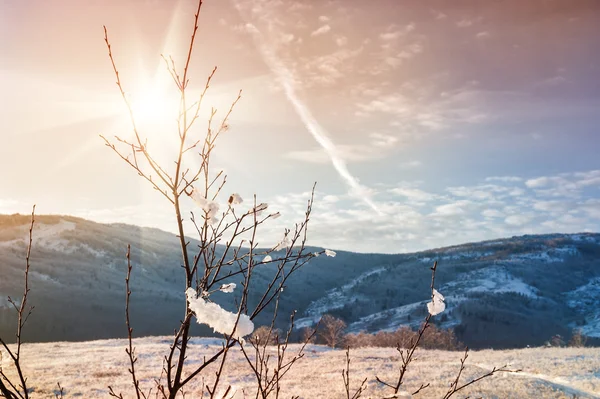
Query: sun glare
{"type": "Point", "coordinates": [154, 107]}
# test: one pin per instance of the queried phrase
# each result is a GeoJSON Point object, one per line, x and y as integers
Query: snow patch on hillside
{"type": "Point", "coordinates": [387, 320]}
{"type": "Point", "coordinates": [334, 299]}
{"type": "Point", "coordinates": [585, 300]}
{"type": "Point", "coordinates": [584, 238]}
{"type": "Point", "coordinates": [457, 255]}
{"type": "Point", "coordinates": [48, 237]}
{"type": "Point", "coordinates": [493, 279]}
{"type": "Point", "coordinates": [43, 277]}
{"type": "Point", "coordinates": [549, 255]}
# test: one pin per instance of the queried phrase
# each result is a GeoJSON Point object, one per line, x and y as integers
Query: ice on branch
{"type": "Point", "coordinates": [275, 215]}
{"type": "Point", "coordinates": [235, 199]}
{"type": "Point", "coordinates": [258, 209]}
{"type": "Point", "coordinates": [228, 288]}
{"type": "Point", "coordinates": [437, 305]}
{"type": "Point", "coordinates": [330, 253]}
{"type": "Point", "coordinates": [285, 243]}
{"type": "Point", "coordinates": [267, 259]}
{"type": "Point", "coordinates": [210, 207]}
{"type": "Point", "coordinates": [218, 318]}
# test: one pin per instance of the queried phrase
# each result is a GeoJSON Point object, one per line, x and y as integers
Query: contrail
{"type": "Point", "coordinates": [285, 76]}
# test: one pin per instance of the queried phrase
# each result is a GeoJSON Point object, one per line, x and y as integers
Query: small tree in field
{"type": "Point", "coordinates": [578, 340]}
{"type": "Point", "coordinates": [265, 335]}
{"type": "Point", "coordinates": [332, 330]}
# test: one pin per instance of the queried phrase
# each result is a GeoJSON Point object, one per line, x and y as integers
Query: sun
{"type": "Point", "coordinates": [154, 106]}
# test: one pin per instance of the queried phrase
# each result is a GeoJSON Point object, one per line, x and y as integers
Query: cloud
{"type": "Point", "coordinates": [383, 140]}
{"type": "Point", "coordinates": [341, 40]}
{"type": "Point", "coordinates": [565, 183]}
{"type": "Point", "coordinates": [492, 213]}
{"type": "Point", "coordinates": [482, 35]}
{"type": "Point", "coordinates": [410, 164]}
{"type": "Point", "coordinates": [452, 209]}
{"type": "Point", "coordinates": [321, 30]}
{"type": "Point", "coordinates": [394, 32]}
{"type": "Point", "coordinates": [413, 194]}
{"type": "Point", "coordinates": [517, 220]}
{"type": "Point", "coordinates": [329, 69]}
{"type": "Point", "coordinates": [414, 218]}
{"type": "Point", "coordinates": [464, 23]}
{"type": "Point", "coordinates": [505, 179]}
{"type": "Point", "coordinates": [537, 182]}
{"type": "Point", "coordinates": [286, 78]}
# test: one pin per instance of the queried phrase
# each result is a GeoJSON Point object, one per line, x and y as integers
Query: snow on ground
{"type": "Point", "coordinates": [335, 299]}
{"type": "Point", "coordinates": [85, 369]}
{"type": "Point", "coordinates": [585, 299]}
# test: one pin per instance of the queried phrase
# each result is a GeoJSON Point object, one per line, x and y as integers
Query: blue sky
{"type": "Point", "coordinates": [448, 121]}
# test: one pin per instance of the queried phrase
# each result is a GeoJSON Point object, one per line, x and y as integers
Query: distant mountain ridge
{"type": "Point", "coordinates": [501, 293]}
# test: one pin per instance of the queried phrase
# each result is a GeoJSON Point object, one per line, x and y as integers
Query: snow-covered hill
{"type": "Point", "coordinates": [503, 293]}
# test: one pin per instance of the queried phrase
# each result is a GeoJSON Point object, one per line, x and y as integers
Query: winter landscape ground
{"type": "Point", "coordinates": [85, 369]}
{"type": "Point", "coordinates": [460, 131]}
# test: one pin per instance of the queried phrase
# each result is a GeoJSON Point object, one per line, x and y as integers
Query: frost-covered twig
{"type": "Point", "coordinates": [407, 356]}
{"type": "Point", "coordinates": [8, 388]}
{"type": "Point", "coordinates": [346, 377]}
{"type": "Point", "coordinates": [60, 393]}
{"type": "Point", "coordinates": [454, 387]}
{"type": "Point", "coordinates": [268, 371]}
{"type": "Point", "coordinates": [131, 349]}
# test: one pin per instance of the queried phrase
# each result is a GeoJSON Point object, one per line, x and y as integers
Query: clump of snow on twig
{"type": "Point", "coordinates": [218, 318]}
{"type": "Point", "coordinates": [258, 209]}
{"type": "Point", "coordinates": [437, 305]}
{"type": "Point", "coordinates": [235, 199]}
{"type": "Point", "coordinates": [228, 288]}
{"type": "Point", "coordinates": [330, 253]}
{"type": "Point", "coordinates": [285, 243]}
{"type": "Point", "coordinates": [267, 259]}
{"type": "Point", "coordinates": [210, 207]}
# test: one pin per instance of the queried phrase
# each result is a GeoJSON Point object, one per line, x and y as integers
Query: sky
{"type": "Point", "coordinates": [424, 124]}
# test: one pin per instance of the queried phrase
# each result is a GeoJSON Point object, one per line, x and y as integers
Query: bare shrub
{"type": "Point", "coordinates": [331, 331]}
{"type": "Point", "coordinates": [578, 340]}
{"type": "Point", "coordinates": [265, 335]}
{"type": "Point", "coordinates": [307, 334]}
{"type": "Point", "coordinates": [433, 338]}
{"type": "Point", "coordinates": [556, 341]}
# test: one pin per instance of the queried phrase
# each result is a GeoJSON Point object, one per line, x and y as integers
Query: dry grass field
{"type": "Point", "coordinates": [85, 369]}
